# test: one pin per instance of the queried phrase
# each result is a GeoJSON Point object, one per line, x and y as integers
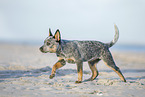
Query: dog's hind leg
{"type": "Point", "coordinates": [108, 60]}
{"type": "Point", "coordinates": [92, 65]}
{"type": "Point", "coordinates": [57, 65]}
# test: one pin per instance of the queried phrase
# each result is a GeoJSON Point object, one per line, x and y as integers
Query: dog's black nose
{"type": "Point", "coordinates": [41, 48]}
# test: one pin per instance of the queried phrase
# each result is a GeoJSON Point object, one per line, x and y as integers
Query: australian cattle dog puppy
{"type": "Point", "coordinates": [77, 52]}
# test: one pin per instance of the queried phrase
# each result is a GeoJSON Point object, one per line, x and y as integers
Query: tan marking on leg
{"type": "Point", "coordinates": [58, 65]}
{"type": "Point", "coordinates": [94, 72]}
{"type": "Point", "coordinates": [92, 65]}
{"type": "Point", "coordinates": [80, 75]}
{"type": "Point", "coordinates": [118, 72]}
{"type": "Point", "coordinates": [80, 72]}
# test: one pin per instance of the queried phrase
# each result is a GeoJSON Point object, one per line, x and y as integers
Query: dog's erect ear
{"type": "Point", "coordinates": [57, 35]}
{"type": "Point", "coordinates": [50, 34]}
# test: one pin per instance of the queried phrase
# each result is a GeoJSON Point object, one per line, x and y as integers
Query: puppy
{"type": "Point", "coordinates": [77, 52]}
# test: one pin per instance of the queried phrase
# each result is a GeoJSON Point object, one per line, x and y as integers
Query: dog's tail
{"type": "Point", "coordinates": [115, 37]}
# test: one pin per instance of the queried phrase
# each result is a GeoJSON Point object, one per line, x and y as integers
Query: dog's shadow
{"type": "Point", "coordinates": [5, 74]}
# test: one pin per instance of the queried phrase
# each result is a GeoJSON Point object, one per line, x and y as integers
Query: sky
{"type": "Point", "coordinates": [29, 20]}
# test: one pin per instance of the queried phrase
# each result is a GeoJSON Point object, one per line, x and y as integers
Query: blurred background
{"type": "Point", "coordinates": [27, 21]}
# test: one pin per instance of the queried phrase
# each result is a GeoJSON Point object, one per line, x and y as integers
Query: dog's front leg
{"type": "Point", "coordinates": [57, 65]}
{"type": "Point", "coordinates": [79, 71]}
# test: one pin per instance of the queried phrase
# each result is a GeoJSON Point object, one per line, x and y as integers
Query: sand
{"type": "Point", "coordinates": [24, 72]}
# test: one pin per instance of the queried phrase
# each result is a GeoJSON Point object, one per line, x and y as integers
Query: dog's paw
{"type": "Point", "coordinates": [77, 82]}
{"type": "Point", "coordinates": [91, 79]}
{"type": "Point", "coordinates": [52, 76]}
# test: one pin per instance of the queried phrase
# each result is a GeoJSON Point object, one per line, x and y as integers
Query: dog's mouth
{"type": "Point", "coordinates": [43, 52]}
{"type": "Point", "coordinates": [46, 52]}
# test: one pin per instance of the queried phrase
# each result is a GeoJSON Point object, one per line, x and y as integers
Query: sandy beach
{"type": "Point", "coordinates": [24, 72]}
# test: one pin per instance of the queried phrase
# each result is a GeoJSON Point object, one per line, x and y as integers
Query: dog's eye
{"type": "Point", "coordinates": [48, 43]}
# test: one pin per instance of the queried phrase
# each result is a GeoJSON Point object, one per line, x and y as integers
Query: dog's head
{"type": "Point", "coordinates": [51, 42]}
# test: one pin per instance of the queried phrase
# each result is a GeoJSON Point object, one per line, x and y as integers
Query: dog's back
{"type": "Point", "coordinates": [84, 50]}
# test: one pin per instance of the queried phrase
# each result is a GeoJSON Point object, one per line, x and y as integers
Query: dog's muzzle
{"type": "Point", "coordinates": [41, 49]}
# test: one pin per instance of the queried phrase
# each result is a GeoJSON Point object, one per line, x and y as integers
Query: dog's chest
{"type": "Point", "coordinates": [66, 58]}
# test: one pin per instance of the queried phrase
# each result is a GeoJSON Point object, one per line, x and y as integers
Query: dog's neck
{"type": "Point", "coordinates": [59, 51]}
